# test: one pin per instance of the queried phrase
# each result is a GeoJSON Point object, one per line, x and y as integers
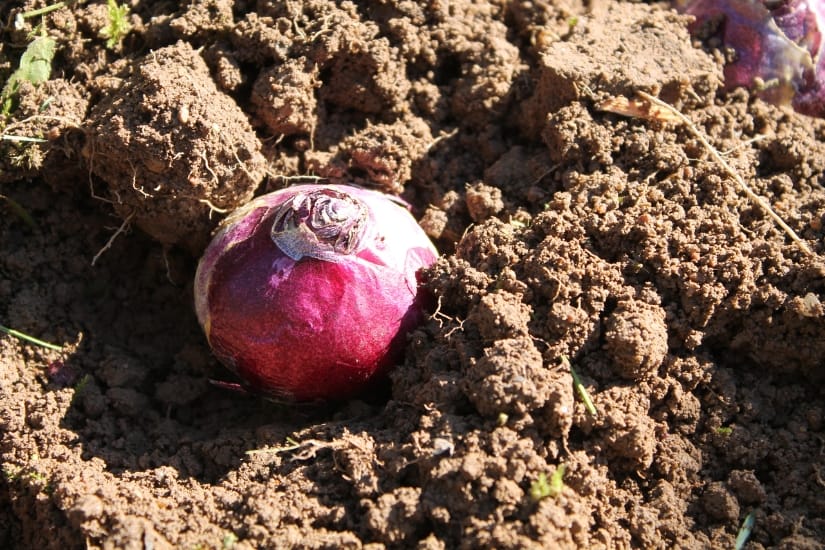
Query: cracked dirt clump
{"type": "Point", "coordinates": [284, 99]}
{"type": "Point", "coordinates": [509, 378]}
{"type": "Point", "coordinates": [172, 148]}
{"type": "Point", "coordinates": [636, 338]}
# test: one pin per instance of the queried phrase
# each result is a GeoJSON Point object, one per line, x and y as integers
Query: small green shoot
{"type": "Point", "coordinates": [82, 383]}
{"type": "Point", "coordinates": [35, 67]}
{"type": "Point", "coordinates": [118, 25]}
{"type": "Point", "coordinates": [745, 531]}
{"type": "Point", "coordinates": [580, 389]}
{"type": "Point", "coordinates": [540, 488]}
{"type": "Point", "coordinates": [13, 474]}
{"type": "Point", "coordinates": [31, 339]}
{"type": "Point", "coordinates": [37, 477]}
{"type": "Point", "coordinates": [20, 18]}
{"type": "Point", "coordinates": [19, 211]}
{"type": "Point", "coordinates": [80, 387]}
{"type": "Point", "coordinates": [44, 106]}
{"type": "Point", "coordinates": [228, 542]}
{"type": "Point", "coordinates": [724, 430]}
{"type": "Point", "coordinates": [543, 488]}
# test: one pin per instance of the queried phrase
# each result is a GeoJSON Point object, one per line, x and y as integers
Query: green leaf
{"type": "Point", "coordinates": [35, 65]}
{"type": "Point", "coordinates": [36, 61]}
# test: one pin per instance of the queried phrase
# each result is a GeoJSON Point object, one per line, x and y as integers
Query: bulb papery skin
{"type": "Point", "coordinates": [308, 293]}
{"type": "Point", "coordinates": [778, 47]}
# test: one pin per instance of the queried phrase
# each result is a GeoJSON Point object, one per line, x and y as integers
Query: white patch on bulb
{"type": "Point", "coordinates": [280, 270]}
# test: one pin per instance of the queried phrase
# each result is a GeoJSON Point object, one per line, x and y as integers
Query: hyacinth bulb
{"type": "Point", "coordinates": [308, 293]}
{"type": "Point", "coordinates": [777, 46]}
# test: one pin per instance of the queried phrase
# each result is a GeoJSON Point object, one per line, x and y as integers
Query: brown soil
{"type": "Point", "coordinates": [695, 324]}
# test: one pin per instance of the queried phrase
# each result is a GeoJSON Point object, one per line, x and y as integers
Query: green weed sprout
{"type": "Point", "coordinates": [580, 389]}
{"type": "Point", "coordinates": [745, 531]}
{"type": "Point", "coordinates": [118, 25]}
{"type": "Point", "coordinates": [543, 487]}
{"type": "Point", "coordinates": [228, 542]}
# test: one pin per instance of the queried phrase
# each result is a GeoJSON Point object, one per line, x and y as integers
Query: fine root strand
{"type": "Point", "coordinates": [717, 156]}
{"type": "Point", "coordinates": [123, 227]}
